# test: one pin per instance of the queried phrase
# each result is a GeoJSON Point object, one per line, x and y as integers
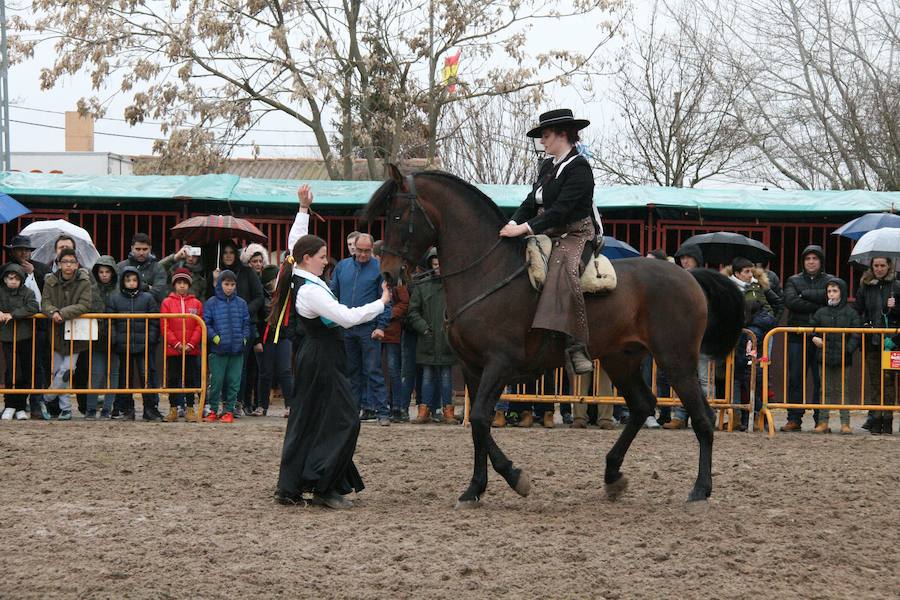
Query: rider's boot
{"type": "Point", "coordinates": [576, 354]}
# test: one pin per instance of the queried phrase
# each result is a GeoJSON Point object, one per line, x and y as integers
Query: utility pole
{"type": "Point", "coordinates": [4, 93]}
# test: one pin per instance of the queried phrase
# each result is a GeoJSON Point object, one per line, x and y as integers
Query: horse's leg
{"type": "Point", "coordinates": [682, 373]}
{"type": "Point", "coordinates": [487, 390]}
{"type": "Point", "coordinates": [517, 479]}
{"type": "Point", "coordinates": [625, 373]}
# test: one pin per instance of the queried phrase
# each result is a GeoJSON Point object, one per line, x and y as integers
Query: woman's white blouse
{"type": "Point", "coordinates": [298, 229]}
{"type": "Point", "coordinates": [314, 299]}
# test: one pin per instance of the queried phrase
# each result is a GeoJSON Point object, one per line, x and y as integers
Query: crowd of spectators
{"type": "Point", "coordinates": [402, 356]}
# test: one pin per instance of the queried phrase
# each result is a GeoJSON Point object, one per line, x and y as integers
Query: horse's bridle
{"type": "Point", "coordinates": [403, 253]}
{"type": "Point", "coordinates": [414, 204]}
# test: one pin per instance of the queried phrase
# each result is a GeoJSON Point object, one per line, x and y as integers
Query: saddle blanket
{"type": "Point", "coordinates": [598, 275]}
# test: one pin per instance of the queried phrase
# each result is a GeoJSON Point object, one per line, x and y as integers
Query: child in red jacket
{"type": "Point", "coordinates": [182, 337]}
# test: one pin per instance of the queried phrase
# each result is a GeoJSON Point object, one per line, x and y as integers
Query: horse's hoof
{"type": "Point", "coordinates": [615, 489]}
{"type": "Point", "coordinates": [523, 486]}
{"type": "Point", "coordinates": [467, 504]}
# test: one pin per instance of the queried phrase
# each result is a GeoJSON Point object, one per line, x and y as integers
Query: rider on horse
{"type": "Point", "coordinates": [561, 205]}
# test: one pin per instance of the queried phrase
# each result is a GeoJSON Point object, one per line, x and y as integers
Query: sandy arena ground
{"type": "Point", "coordinates": [135, 510]}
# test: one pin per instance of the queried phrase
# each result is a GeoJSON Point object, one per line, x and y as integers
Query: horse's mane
{"type": "Point", "coordinates": [382, 197]}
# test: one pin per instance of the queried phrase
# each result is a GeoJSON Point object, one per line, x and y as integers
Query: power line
{"type": "Point", "coordinates": [153, 139]}
{"type": "Point", "coordinates": [61, 112]}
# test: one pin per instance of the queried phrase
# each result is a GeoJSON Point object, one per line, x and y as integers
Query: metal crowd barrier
{"type": "Point", "coordinates": [853, 371]}
{"type": "Point", "coordinates": [600, 390]}
{"type": "Point", "coordinates": [89, 320]}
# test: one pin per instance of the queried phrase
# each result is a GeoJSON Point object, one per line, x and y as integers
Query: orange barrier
{"type": "Point", "coordinates": [89, 327]}
{"type": "Point", "coordinates": [853, 371]}
{"type": "Point", "coordinates": [597, 390]}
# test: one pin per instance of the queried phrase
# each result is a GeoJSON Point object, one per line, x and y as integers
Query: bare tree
{"type": "Point", "coordinates": [484, 139]}
{"type": "Point", "coordinates": [366, 68]}
{"type": "Point", "coordinates": [820, 81]}
{"type": "Point", "coordinates": [675, 126]}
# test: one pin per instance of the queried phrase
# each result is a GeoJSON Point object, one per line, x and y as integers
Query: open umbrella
{"type": "Point", "coordinates": [613, 249]}
{"type": "Point", "coordinates": [722, 247]}
{"type": "Point", "coordinates": [217, 228]}
{"type": "Point", "coordinates": [860, 226]}
{"type": "Point", "coordinates": [10, 209]}
{"type": "Point", "coordinates": [43, 236]}
{"type": "Point", "coordinates": [879, 243]}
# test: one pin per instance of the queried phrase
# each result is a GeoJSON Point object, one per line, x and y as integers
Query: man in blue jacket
{"type": "Point", "coordinates": [357, 281]}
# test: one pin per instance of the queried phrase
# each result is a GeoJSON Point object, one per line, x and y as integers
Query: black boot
{"type": "Point", "coordinates": [577, 356]}
{"type": "Point", "coordinates": [887, 424]}
{"type": "Point", "coordinates": [869, 420]}
{"type": "Point", "coordinates": [876, 426]}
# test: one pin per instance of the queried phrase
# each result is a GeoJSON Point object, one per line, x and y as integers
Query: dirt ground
{"type": "Point", "coordinates": [135, 510]}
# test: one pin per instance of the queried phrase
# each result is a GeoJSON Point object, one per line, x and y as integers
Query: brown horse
{"type": "Point", "coordinates": [656, 307]}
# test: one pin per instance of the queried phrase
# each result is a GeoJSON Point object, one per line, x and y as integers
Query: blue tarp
{"type": "Point", "coordinates": [231, 188]}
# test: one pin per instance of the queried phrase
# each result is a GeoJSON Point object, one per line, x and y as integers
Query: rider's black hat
{"type": "Point", "coordinates": [561, 117]}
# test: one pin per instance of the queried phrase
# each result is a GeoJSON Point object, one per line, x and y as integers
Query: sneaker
{"type": "Point", "coordinates": [65, 415]}
{"type": "Point", "coordinates": [384, 421]}
{"type": "Point", "coordinates": [790, 426]}
{"type": "Point", "coordinates": [206, 410]}
{"type": "Point", "coordinates": [104, 414]}
{"type": "Point", "coordinates": [90, 416]}
{"type": "Point", "coordinates": [367, 415]}
{"type": "Point", "coordinates": [152, 414]}
{"type": "Point", "coordinates": [651, 423]}
{"type": "Point", "coordinates": [180, 412]}
{"type": "Point", "coordinates": [21, 415]}
{"type": "Point", "coordinates": [259, 412]}
{"type": "Point", "coordinates": [227, 418]}
{"type": "Point", "coordinates": [211, 417]}
{"type": "Point", "coordinates": [567, 419]}
{"type": "Point", "coordinates": [8, 414]}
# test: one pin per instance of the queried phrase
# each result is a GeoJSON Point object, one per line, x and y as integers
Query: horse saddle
{"type": "Point", "coordinates": [597, 273]}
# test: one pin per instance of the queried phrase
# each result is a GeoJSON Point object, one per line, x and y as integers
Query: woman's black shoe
{"type": "Point", "coordinates": [331, 500]}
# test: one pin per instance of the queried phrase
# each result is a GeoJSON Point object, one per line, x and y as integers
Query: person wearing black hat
{"type": "Point", "coordinates": [561, 205]}
{"type": "Point", "coordinates": [18, 252]}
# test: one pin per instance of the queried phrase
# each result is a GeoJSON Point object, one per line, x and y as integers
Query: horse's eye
{"type": "Point", "coordinates": [397, 218]}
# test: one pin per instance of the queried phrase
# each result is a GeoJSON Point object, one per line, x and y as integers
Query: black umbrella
{"type": "Point", "coordinates": [722, 247]}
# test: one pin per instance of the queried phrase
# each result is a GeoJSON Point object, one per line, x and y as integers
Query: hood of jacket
{"type": "Point", "coordinates": [843, 286]}
{"type": "Point", "coordinates": [126, 292]}
{"type": "Point", "coordinates": [814, 249]}
{"type": "Point", "coordinates": [869, 278]}
{"type": "Point", "coordinates": [251, 250]}
{"type": "Point", "coordinates": [220, 293]}
{"type": "Point", "coordinates": [691, 250]}
{"type": "Point", "coordinates": [14, 268]}
{"type": "Point", "coordinates": [106, 261]}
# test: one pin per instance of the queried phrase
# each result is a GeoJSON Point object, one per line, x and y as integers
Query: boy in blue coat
{"type": "Point", "coordinates": [228, 329]}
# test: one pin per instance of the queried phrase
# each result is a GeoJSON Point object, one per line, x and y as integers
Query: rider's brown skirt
{"type": "Point", "coordinates": [561, 306]}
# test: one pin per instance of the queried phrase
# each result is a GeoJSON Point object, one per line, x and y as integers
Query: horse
{"type": "Point", "coordinates": [657, 307]}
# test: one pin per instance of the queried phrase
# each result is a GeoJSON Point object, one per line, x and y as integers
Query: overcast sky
{"type": "Point", "coordinates": [31, 105]}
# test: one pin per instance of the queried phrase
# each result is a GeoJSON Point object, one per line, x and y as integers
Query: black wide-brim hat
{"type": "Point", "coordinates": [20, 241]}
{"type": "Point", "coordinates": [561, 117]}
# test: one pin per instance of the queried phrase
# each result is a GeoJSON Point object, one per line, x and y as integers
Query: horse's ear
{"type": "Point", "coordinates": [395, 174]}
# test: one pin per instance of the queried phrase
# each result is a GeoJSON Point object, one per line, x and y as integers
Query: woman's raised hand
{"type": "Point", "coordinates": [305, 196]}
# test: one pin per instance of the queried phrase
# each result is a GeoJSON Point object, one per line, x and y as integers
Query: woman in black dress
{"type": "Point", "coordinates": [317, 458]}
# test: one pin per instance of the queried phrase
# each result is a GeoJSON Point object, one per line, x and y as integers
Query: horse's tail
{"type": "Point", "coordinates": [725, 312]}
